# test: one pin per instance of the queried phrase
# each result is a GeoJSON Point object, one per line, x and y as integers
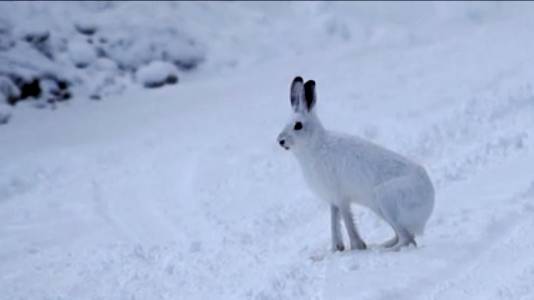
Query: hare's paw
{"type": "Point", "coordinates": [338, 247]}
{"type": "Point", "coordinates": [390, 243]}
{"type": "Point", "coordinates": [358, 245]}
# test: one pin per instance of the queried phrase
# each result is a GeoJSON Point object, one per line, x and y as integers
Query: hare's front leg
{"type": "Point", "coordinates": [337, 240]}
{"type": "Point", "coordinates": [356, 241]}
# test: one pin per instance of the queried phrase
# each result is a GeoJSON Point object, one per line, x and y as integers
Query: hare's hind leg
{"type": "Point", "coordinates": [406, 238]}
{"type": "Point", "coordinates": [335, 226]}
{"type": "Point", "coordinates": [391, 242]}
{"type": "Point", "coordinates": [402, 236]}
{"type": "Point", "coordinates": [356, 241]}
{"type": "Point", "coordinates": [388, 196]}
{"type": "Point", "coordinates": [395, 239]}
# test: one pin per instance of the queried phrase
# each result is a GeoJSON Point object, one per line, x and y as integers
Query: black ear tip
{"type": "Point", "coordinates": [298, 79]}
{"type": "Point", "coordinates": [309, 94]}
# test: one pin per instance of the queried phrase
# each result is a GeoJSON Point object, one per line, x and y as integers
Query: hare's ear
{"type": "Point", "coordinates": [309, 94]}
{"type": "Point", "coordinates": [296, 94]}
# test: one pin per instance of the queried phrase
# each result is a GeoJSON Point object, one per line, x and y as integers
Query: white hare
{"type": "Point", "coordinates": [344, 169]}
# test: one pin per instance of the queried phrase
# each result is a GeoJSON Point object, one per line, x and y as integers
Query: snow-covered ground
{"type": "Point", "coordinates": [182, 193]}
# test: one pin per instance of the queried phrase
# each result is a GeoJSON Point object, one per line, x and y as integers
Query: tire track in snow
{"type": "Point", "coordinates": [141, 210]}
{"type": "Point", "coordinates": [102, 210]}
{"type": "Point", "coordinates": [500, 264]}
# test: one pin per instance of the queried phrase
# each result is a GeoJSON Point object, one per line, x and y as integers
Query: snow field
{"type": "Point", "coordinates": [182, 192]}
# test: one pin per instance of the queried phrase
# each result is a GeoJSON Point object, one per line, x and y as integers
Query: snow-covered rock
{"type": "Point", "coordinates": [81, 53]}
{"type": "Point", "coordinates": [156, 74]}
{"type": "Point", "coordinates": [85, 27]}
{"type": "Point", "coordinates": [8, 90]}
{"type": "Point", "coordinates": [104, 63]}
{"type": "Point", "coordinates": [88, 45]}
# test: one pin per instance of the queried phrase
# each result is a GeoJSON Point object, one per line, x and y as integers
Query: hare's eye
{"type": "Point", "coordinates": [298, 126]}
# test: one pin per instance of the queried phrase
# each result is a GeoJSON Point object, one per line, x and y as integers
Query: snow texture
{"type": "Point", "coordinates": [190, 196]}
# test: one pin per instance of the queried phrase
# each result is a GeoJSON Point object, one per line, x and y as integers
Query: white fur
{"type": "Point", "coordinates": [344, 169]}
